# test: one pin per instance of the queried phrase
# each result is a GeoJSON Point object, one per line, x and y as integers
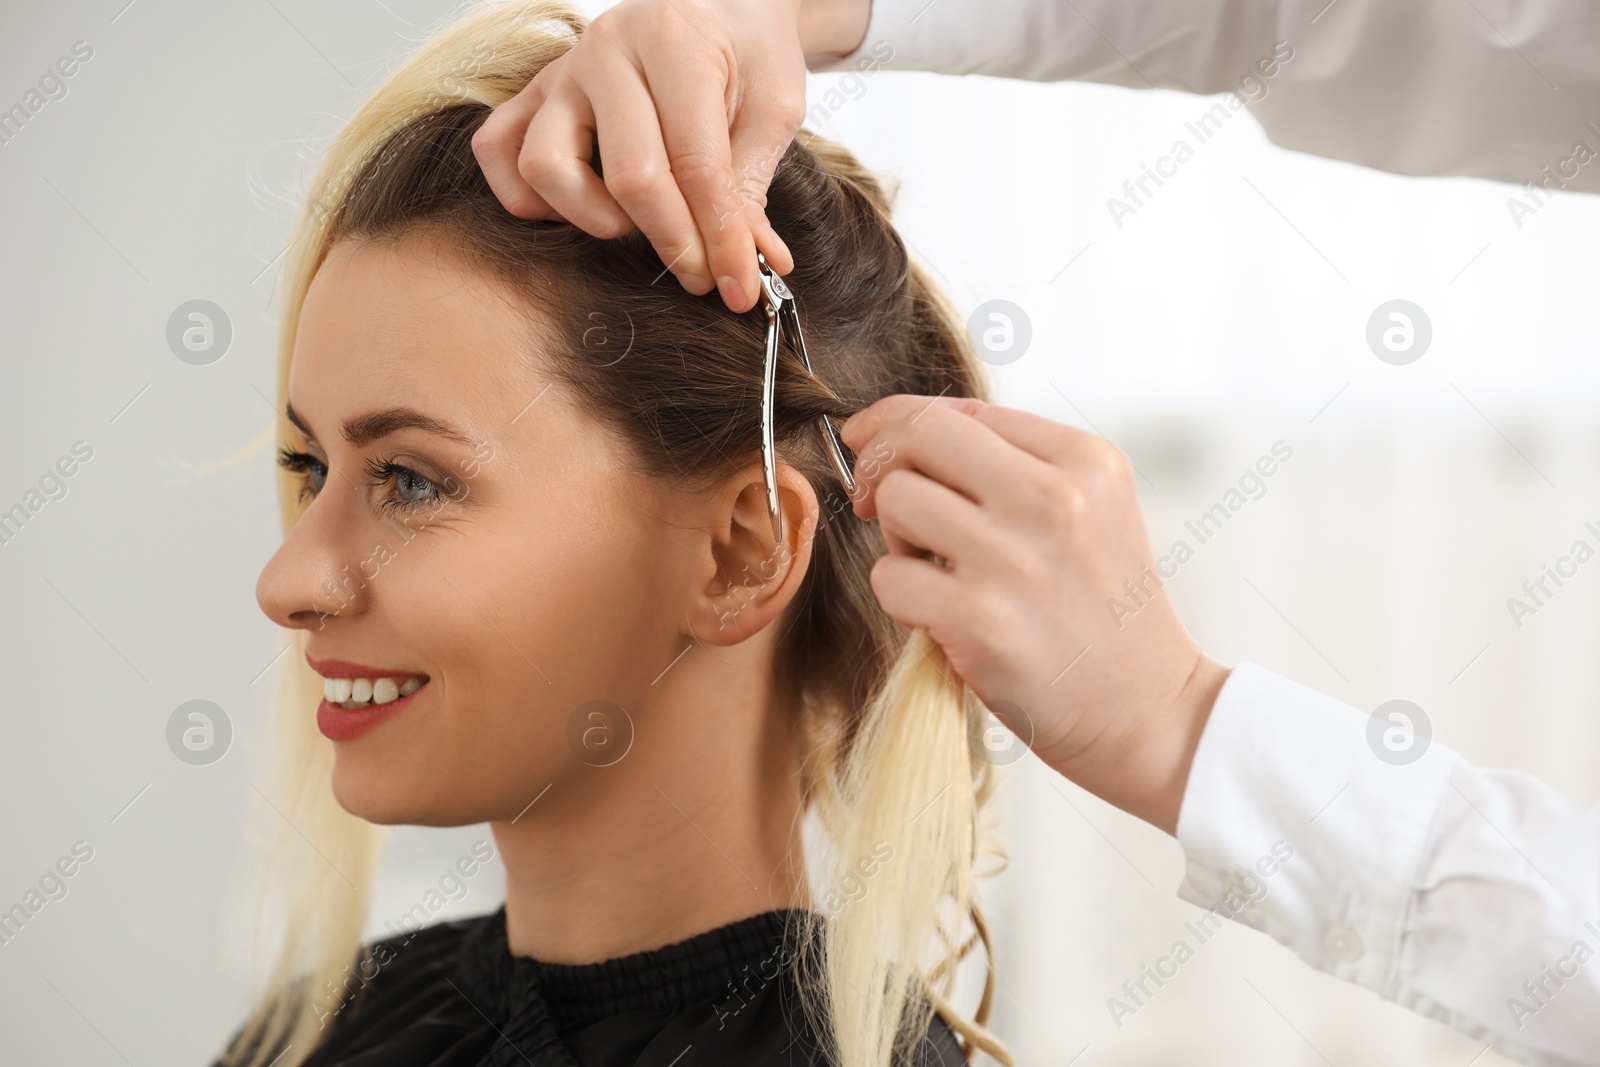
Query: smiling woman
{"type": "Point", "coordinates": [492, 529]}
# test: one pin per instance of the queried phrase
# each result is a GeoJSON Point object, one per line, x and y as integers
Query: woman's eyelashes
{"type": "Point", "coordinates": [410, 489]}
{"type": "Point", "coordinates": [312, 471]}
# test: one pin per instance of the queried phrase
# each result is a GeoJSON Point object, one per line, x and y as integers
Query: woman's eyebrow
{"type": "Point", "coordinates": [375, 424]}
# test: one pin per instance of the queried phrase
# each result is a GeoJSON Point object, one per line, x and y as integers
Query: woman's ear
{"type": "Point", "coordinates": [747, 577]}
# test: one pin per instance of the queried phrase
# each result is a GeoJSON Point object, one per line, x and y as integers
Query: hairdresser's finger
{"type": "Point", "coordinates": [915, 592]}
{"type": "Point", "coordinates": [694, 125]}
{"type": "Point", "coordinates": [870, 420]}
{"type": "Point", "coordinates": [916, 510]}
{"type": "Point", "coordinates": [769, 115]}
{"type": "Point", "coordinates": [555, 160]}
{"type": "Point", "coordinates": [876, 435]}
{"type": "Point", "coordinates": [899, 545]}
{"type": "Point", "coordinates": [497, 144]}
{"type": "Point", "coordinates": [1076, 452]}
{"type": "Point", "coordinates": [1053, 442]}
{"type": "Point", "coordinates": [1081, 470]}
{"type": "Point", "coordinates": [767, 240]}
{"type": "Point", "coordinates": [950, 446]}
{"type": "Point", "coordinates": [637, 174]}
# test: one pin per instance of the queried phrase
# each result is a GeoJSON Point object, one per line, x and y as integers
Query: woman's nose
{"type": "Point", "coordinates": [311, 578]}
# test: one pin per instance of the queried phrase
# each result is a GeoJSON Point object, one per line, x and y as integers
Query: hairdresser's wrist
{"type": "Point", "coordinates": [1144, 769]}
{"type": "Point", "coordinates": [833, 27]}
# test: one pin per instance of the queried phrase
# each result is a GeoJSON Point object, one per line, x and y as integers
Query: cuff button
{"type": "Point", "coordinates": [1343, 943]}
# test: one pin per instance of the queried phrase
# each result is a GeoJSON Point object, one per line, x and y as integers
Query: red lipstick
{"type": "Point", "coordinates": [339, 723]}
{"type": "Point", "coordinates": [338, 668]}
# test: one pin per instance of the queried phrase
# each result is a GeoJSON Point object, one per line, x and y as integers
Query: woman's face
{"type": "Point", "coordinates": [471, 536]}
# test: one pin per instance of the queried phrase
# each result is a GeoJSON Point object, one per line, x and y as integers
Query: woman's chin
{"type": "Point", "coordinates": [384, 798]}
{"type": "Point", "coordinates": [380, 793]}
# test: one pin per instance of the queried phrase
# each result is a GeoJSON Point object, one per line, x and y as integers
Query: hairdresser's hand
{"type": "Point", "coordinates": [693, 102]}
{"type": "Point", "coordinates": [1040, 527]}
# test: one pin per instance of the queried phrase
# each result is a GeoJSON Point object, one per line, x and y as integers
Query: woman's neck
{"type": "Point", "coordinates": [695, 827]}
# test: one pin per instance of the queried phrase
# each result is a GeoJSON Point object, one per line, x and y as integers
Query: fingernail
{"type": "Point", "coordinates": [732, 293]}
{"type": "Point", "coordinates": [844, 429]}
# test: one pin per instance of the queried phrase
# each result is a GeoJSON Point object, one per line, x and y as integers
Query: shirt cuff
{"type": "Point", "coordinates": [1306, 819]}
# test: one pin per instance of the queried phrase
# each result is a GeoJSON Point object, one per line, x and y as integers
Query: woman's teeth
{"type": "Point", "coordinates": [359, 692]}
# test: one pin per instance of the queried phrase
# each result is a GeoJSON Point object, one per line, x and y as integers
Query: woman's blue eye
{"type": "Point", "coordinates": [412, 486]}
{"type": "Point", "coordinates": [313, 472]}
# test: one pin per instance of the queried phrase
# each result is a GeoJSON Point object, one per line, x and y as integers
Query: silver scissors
{"type": "Point", "coordinates": [783, 315]}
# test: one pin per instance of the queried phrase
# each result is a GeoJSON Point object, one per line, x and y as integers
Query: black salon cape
{"type": "Point", "coordinates": [453, 995]}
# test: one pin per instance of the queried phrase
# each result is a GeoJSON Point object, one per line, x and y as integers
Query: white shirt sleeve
{"type": "Point", "coordinates": [1471, 896]}
{"type": "Point", "coordinates": [1421, 87]}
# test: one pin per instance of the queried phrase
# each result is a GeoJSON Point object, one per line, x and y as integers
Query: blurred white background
{"type": "Point", "coordinates": [1228, 313]}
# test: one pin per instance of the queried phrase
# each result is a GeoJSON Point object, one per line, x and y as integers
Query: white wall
{"type": "Point", "coordinates": [1198, 333]}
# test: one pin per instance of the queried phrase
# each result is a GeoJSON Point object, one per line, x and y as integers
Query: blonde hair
{"type": "Point", "coordinates": [892, 750]}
